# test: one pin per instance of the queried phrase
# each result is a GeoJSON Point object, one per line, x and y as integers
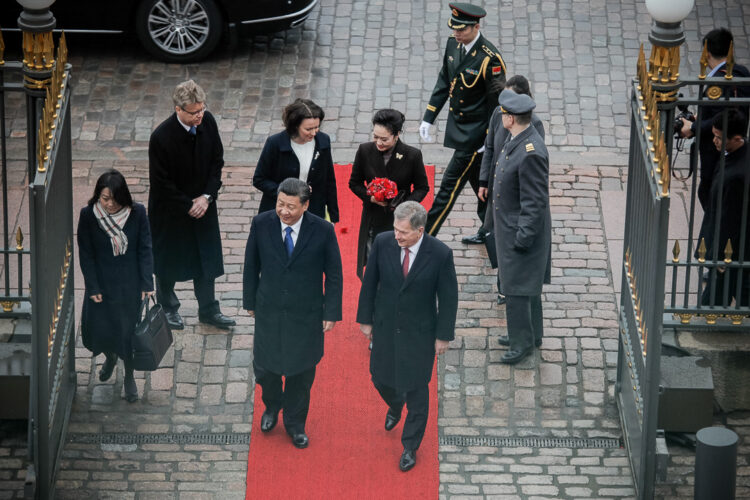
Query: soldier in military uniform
{"type": "Point", "coordinates": [521, 215]}
{"type": "Point", "coordinates": [471, 78]}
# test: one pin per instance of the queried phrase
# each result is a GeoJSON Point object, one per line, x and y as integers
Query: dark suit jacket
{"type": "Point", "coordinates": [405, 168]}
{"type": "Point", "coordinates": [108, 326]}
{"type": "Point", "coordinates": [523, 222]}
{"type": "Point", "coordinates": [709, 156]}
{"type": "Point", "coordinates": [291, 297]}
{"type": "Point", "coordinates": [183, 167]}
{"type": "Point", "coordinates": [407, 314]}
{"type": "Point", "coordinates": [277, 162]}
{"type": "Point", "coordinates": [729, 194]}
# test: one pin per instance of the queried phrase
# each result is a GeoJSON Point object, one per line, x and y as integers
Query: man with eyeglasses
{"type": "Point", "coordinates": [185, 161]}
{"type": "Point", "coordinates": [472, 76]}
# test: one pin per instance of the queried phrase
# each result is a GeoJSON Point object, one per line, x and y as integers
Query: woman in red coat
{"type": "Point", "coordinates": [386, 157]}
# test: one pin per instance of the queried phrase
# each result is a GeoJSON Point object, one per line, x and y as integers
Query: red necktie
{"type": "Point", "coordinates": [405, 264]}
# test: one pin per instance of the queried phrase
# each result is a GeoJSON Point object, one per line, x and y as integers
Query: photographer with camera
{"type": "Point", "coordinates": [717, 42]}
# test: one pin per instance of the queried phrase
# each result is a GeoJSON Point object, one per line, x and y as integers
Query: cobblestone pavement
{"type": "Point", "coordinates": [506, 432]}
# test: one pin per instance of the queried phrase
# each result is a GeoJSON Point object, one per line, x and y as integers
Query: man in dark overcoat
{"type": "Point", "coordinates": [185, 161]}
{"type": "Point", "coordinates": [472, 76]}
{"type": "Point", "coordinates": [522, 220]}
{"type": "Point", "coordinates": [727, 220]}
{"type": "Point", "coordinates": [293, 287]}
{"type": "Point", "coordinates": [407, 307]}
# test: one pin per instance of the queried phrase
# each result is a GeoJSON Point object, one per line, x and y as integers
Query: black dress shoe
{"type": "Point", "coordinates": [268, 420]}
{"type": "Point", "coordinates": [391, 419]}
{"type": "Point", "coordinates": [218, 320]}
{"type": "Point", "coordinates": [174, 320]}
{"type": "Point", "coordinates": [300, 440]}
{"type": "Point", "coordinates": [108, 367]}
{"type": "Point", "coordinates": [474, 239]}
{"type": "Point", "coordinates": [408, 460]}
{"type": "Point", "coordinates": [505, 341]}
{"type": "Point", "coordinates": [513, 357]}
{"type": "Point", "coordinates": [500, 299]}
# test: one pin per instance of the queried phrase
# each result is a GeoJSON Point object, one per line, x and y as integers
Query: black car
{"type": "Point", "coordinates": [172, 30]}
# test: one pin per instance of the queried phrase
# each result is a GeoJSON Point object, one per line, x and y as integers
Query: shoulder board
{"type": "Point", "coordinates": [488, 50]}
{"type": "Point", "coordinates": [529, 147]}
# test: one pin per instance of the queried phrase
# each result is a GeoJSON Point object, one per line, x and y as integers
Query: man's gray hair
{"type": "Point", "coordinates": [188, 93]}
{"type": "Point", "coordinates": [291, 186]}
{"type": "Point", "coordinates": [413, 212]}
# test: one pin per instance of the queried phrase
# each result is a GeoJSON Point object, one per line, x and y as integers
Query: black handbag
{"type": "Point", "coordinates": [152, 336]}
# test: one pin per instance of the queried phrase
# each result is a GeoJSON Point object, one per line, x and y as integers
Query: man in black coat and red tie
{"type": "Point", "coordinates": [293, 287]}
{"type": "Point", "coordinates": [407, 307]}
{"type": "Point", "coordinates": [185, 158]}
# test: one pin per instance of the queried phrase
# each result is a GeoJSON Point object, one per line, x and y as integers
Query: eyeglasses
{"type": "Point", "coordinates": [194, 113]}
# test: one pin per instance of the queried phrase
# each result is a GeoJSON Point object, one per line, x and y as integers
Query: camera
{"type": "Point", "coordinates": [684, 113]}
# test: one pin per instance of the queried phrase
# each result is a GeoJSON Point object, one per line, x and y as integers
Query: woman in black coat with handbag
{"type": "Point", "coordinates": [301, 151]}
{"type": "Point", "coordinates": [385, 157]}
{"type": "Point", "coordinates": [114, 248]}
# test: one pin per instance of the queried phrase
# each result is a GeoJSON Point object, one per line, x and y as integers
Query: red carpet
{"type": "Point", "coordinates": [350, 455]}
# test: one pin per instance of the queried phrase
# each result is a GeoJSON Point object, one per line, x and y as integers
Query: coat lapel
{"type": "Point", "coordinates": [422, 259]}
{"type": "Point", "coordinates": [468, 58]}
{"type": "Point", "coordinates": [511, 145]}
{"type": "Point", "coordinates": [396, 159]}
{"type": "Point", "coordinates": [394, 258]}
{"type": "Point", "coordinates": [274, 236]}
{"type": "Point", "coordinates": [305, 233]}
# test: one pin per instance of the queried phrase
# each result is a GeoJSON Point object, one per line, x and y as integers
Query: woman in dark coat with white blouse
{"type": "Point", "coordinates": [114, 245]}
{"type": "Point", "coordinates": [301, 151]}
{"type": "Point", "coordinates": [386, 156]}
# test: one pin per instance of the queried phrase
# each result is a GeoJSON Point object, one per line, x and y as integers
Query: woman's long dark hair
{"type": "Point", "coordinates": [115, 181]}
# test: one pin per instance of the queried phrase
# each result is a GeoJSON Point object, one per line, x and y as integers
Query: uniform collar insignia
{"type": "Point", "coordinates": [529, 147]}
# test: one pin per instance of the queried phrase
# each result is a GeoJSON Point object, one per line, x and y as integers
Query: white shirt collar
{"type": "Point", "coordinates": [415, 247]}
{"type": "Point", "coordinates": [468, 46]}
{"type": "Point", "coordinates": [295, 227]}
{"type": "Point", "coordinates": [186, 127]}
{"type": "Point", "coordinates": [717, 68]}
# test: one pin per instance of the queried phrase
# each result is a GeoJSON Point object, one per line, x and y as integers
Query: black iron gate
{"type": "Point", "coordinates": [46, 83]}
{"type": "Point", "coordinates": [642, 289]}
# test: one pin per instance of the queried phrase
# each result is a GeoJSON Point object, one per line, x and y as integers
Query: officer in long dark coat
{"type": "Point", "coordinates": [185, 161]}
{"type": "Point", "coordinates": [293, 287]}
{"type": "Point", "coordinates": [522, 219]}
{"type": "Point", "coordinates": [407, 307]}
{"type": "Point", "coordinates": [472, 76]}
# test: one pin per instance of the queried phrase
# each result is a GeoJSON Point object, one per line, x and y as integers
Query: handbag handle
{"type": "Point", "coordinates": [144, 306]}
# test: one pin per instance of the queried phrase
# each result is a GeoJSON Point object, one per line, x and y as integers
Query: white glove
{"type": "Point", "coordinates": [424, 131]}
{"type": "Point", "coordinates": [480, 150]}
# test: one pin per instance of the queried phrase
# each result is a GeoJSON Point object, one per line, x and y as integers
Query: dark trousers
{"type": "Point", "coordinates": [204, 292]}
{"type": "Point", "coordinates": [524, 314]}
{"type": "Point", "coordinates": [464, 166]}
{"type": "Point", "coordinates": [293, 397]}
{"type": "Point", "coordinates": [418, 407]}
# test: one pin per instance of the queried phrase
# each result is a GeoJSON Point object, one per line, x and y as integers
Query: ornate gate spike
{"type": "Point", "coordinates": [704, 61]}
{"type": "Point", "coordinates": [730, 62]}
{"type": "Point", "coordinates": [676, 251]}
{"type": "Point", "coordinates": [728, 252]}
{"type": "Point", "coordinates": [19, 239]}
{"type": "Point", "coordinates": [702, 251]}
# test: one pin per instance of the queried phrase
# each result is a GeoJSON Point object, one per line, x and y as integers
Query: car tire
{"type": "Point", "coordinates": [178, 31]}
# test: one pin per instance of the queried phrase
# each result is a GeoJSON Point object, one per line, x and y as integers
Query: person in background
{"type": "Point", "coordinates": [493, 143]}
{"type": "Point", "coordinates": [114, 250]}
{"type": "Point", "coordinates": [523, 224]}
{"type": "Point", "coordinates": [302, 151]}
{"type": "Point", "coordinates": [185, 159]}
{"type": "Point", "coordinates": [472, 76]}
{"type": "Point", "coordinates": [385, 157]}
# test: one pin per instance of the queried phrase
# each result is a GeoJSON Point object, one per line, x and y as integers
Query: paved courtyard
{"type": "Point", "coordinates": [546, 428]}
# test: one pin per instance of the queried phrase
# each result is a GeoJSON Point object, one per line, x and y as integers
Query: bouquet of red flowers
{"type": "Point", "coordinates": [382, 189]}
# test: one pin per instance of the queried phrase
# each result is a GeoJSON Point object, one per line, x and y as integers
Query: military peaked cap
{"type": "Point", "coordinates": [515, 104]}
{"type": "Point", "coordinates": [464, 14]}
